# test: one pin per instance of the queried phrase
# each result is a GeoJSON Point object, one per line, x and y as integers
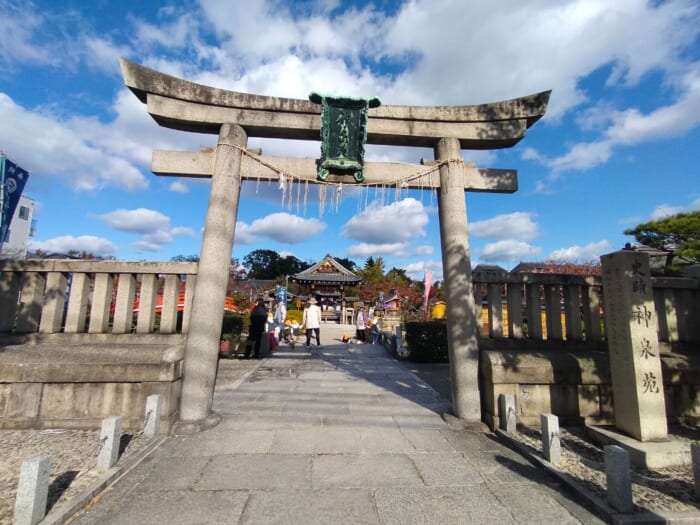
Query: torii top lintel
{"type": "Point", "coordinates": [179, 104]}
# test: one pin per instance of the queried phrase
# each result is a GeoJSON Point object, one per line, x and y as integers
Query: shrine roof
{"type": "Point", "coordinates": [327, 270]}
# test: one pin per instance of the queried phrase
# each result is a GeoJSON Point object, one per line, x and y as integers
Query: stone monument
{"type": "Point", "coordinates": [635, 360]}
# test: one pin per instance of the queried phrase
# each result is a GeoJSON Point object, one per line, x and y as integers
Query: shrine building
{"type": "Point", "coordinates": [327, 281]}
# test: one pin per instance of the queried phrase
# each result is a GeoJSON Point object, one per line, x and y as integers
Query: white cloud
{"type": "Point", "coordinates": [561, 42]}
{"type": "Point", "coordinates": [630, 127]}
{"type": "Point", "coordinates": [576, 253]}
{"type": "Point", "coordinates": [395, 222]}
{"type": "Point", "coordinates": [173, 32]}
{"type": "Point", "coordinates": [281, 227]}
{"type": "Point", "coordinates": [417, 270]}
{"type": "Point", "coordinates": [633, 127]}
{"type": "Point", "coordinates": [508, 250]}
{"type": "Point", "coordinates": [182, 230]}
{"type": "Point", "coordinates": [283, 49]}
{"type": "Point", "coordinates": [397, 249]}
{"type": "Point", "coordinates": [84, 243]}
{"type": "Point", "coordinates": [103, 54]}
{"type": "Point", "coordinates": [153, 226]}
{"type": "Point", "coordinates": [18, 24]}
{"type": "Point", "coordinates": [664, 210]}
{"type": "Point", "coordinates": [146, 245]}
{"type": "Point", "coordinates": [141, 220]}
{"type": "Point", "coordinates": [425, 249]}
{"type": "Point", "coordinates": [273, 29]}
{"type": "Point", "coordinates": [514, 225]}
{"type": "Point", "coordinates": [583, 156]}
{"type": "Point", "coordinates": [179, 187]}
{"type": "Point", "coordinates": [49, 147]}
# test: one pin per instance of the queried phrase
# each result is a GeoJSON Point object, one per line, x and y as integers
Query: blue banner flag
{"type": "Point", "coordinates": [14, 179]}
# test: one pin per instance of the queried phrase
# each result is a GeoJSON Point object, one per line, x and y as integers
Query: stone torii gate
{"type": "Point", "coordinates": [186, 106]}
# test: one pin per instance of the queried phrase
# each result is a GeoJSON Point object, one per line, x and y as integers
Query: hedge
{"type": "Point", "coordinates": [427, 341]}
{"type": "Point", "coordinates": [232, 324]}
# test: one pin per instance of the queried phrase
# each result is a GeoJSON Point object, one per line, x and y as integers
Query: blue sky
{"type": "Point", "coordinates": [619, 143]}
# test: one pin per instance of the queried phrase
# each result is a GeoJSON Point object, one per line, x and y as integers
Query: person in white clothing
{"type": "Point", "coordinates": [279, 317]}
{"type": "Point", "coordinates": [312, 321]}
{"type": "Point", "coordinates": [361, 325]}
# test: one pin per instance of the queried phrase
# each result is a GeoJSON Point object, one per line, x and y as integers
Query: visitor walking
{"type": "Point", "coordinates": [312, 321]}
{"type": "Point", "coordinates": [374, 330]}
{"type": "Point", "coordinates": [361, 324]}
{"type": "Point", "coordinates": [279, 318]}
{"type": "Point", "coordinates": [258, 319]}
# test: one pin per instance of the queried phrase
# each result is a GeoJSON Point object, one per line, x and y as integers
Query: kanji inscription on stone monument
{"type": "Point", "coordinates": [635, 363]}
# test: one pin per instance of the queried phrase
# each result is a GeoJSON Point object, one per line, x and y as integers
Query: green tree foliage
{"type": "Point", "coordinates": [679, 235]}
{"type": "Point", "coordinates": [88, 256]}
{"type": "Point", "coordinates": [268, 264]}
{"type": "Point", "coordinates": [290, 265]}
{"type": "Point", "coordinates": [262, 264]}
{"type": "Point", "coordinates": [185, 258]}
{"type": "Point", "coordinates": [347, 263]}
{"type": "Point", "coordinates": [373, 271]}
{"type": "Point", "coordinates": [398, 277]}
{"type": "Point", "coordinates": [375, 280]}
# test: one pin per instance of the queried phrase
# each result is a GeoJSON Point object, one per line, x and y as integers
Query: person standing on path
{"type": "Point", "coordinates": [361, 325]}
{"type": "Point", "coordinates": [374, 330]}
{"type": "Point", "coordinates": [279, 318]}
{"type": "Point", "coordinates": [258, 320]}
{"type": "Point", "coordinates": [312, 321]}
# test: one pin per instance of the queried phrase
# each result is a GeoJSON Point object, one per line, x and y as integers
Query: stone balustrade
{"type": "Point", "coordinates": [85, 340]}
{"type": "Point", "coordinates": [570, 308]}
{"type": "Point", "coordinates": [96, 297]}
{"type": "Point", "coordinates": [560, 364]}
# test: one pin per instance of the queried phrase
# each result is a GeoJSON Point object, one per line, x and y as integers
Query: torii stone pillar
{"type": "Point", "coordinates": [202, 348]}
{"type": "Point", "coordinates": [462, 328]}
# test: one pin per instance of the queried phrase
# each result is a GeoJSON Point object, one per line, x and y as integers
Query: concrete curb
{"type": "Point", "coordinates": [67, 510]}
{"type": "Point", "coordinates": [597, 505]}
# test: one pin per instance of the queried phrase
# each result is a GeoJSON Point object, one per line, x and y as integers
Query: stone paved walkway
{"type": "Point", "coordinates": [338, 434]}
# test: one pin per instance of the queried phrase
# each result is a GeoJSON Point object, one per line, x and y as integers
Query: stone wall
{"type": "Point", "coordinates": [62, 381]}
{"type": "Point", "coordinates": [576, 386]}
{"type": "Point", "coordinates": [84, 340]}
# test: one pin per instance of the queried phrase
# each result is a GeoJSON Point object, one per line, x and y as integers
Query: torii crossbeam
{"type": "Point", "coordinates": [183, 105]}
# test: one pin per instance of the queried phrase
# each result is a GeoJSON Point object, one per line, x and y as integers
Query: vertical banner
{"type": "Point", "coordinates": [281, 294]}
{"type": "Point", "coordinates": [14, 179]}
{"type": "Point", "coordinates": [426, 293]}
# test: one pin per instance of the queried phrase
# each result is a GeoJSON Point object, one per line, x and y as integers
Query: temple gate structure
{"type": "Point", "coordinates": [329, 281]}
{"type": "Point", "coordinates": [234, 117]}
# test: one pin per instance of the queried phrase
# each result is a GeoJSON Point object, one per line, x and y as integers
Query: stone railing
{"type": "Point", "coordinates": [570, 308]}
{"type": "Point", "coordinates": [560, 364]}
{"type": "Point", "coordinates": [94, 297]}
{"type": "Point", "coordinates": [81, 341]}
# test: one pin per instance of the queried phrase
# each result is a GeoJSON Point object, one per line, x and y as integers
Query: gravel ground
{"type": "Point", "coordinates": [74, 452]}
{"type": "Point", "coordinates": [73, 462]}
{"type": "Point", "coordinates": [669, 489]}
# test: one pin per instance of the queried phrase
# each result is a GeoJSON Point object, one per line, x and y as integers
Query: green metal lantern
{"type": "Point", "coordinates": [343, 134]}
